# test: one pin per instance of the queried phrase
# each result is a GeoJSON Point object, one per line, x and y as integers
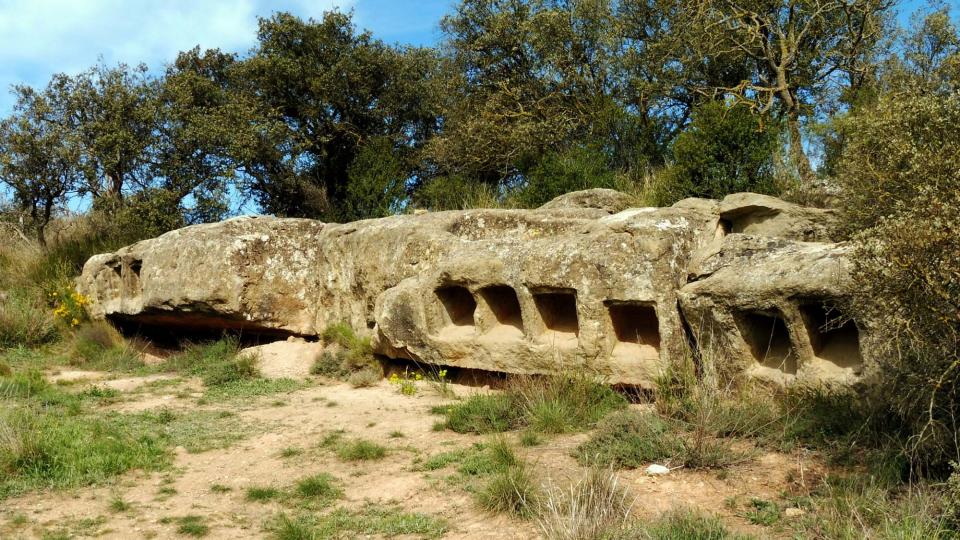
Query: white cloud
{"type": "Point", "coordinates": [41, 37]}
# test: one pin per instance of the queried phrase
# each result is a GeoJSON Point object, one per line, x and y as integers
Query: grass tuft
{"type": "Point", "coordinates": [319, 487]}
{"type": "Point", "coordinates": [192, 525]}
{"type": "Point", "coordinates": [597, 506]}
{"type": "Point", "coordinates": [630, 440]}
{"type": "Point", "coordinates": [512, 491]}
{"type": "Point", "coordinates": [360, 450]}
{"type": "Point", "coordinates": [681, 524]}
{"type": "Point", "coordinates": [261, 493]}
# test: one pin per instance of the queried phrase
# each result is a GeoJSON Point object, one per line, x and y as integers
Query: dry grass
{"type": "Point", "coordinates": [594, 507]}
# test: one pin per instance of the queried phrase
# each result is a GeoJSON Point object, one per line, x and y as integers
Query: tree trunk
{"type": "Point", "coordinates": [797, 154]}
{"type": "Point", "coordinates": [42, 237]}
{"type": "Point", "coordinates": [115, 189]}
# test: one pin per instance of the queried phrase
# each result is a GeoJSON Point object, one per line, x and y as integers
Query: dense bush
{"type": "Point", "coordinates": [557, 173]}
{"type": "Point", "coordinates": [901, 201]}
{"type": "Point", "coordinates": [724, 150]}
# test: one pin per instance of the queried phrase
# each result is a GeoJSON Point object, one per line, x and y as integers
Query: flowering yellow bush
{"type": "Point", "coordinates": [69, 306]}
{"type": "Point", "coordinates": [407, 384]}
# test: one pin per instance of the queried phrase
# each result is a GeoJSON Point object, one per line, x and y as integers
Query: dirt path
{"type": "Point", "coordinates": [213, 484]}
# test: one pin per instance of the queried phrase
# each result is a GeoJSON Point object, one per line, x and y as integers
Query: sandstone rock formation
{"type": "Point", "coordinates": [582, 283]}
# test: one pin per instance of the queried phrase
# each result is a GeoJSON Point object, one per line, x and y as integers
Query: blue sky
{"type": "Point", "coordinates": [41, 37]}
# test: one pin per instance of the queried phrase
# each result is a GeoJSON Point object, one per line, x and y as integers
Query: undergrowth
{"type": "Point", "coordinates": [351, 359]}
{"type": "Point", "coordinates": [549, 404]}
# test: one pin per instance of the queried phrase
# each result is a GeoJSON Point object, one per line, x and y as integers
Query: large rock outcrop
{"type": "Point", "coordinates": [582, 283]}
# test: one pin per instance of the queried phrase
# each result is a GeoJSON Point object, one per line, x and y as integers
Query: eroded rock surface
{"type": "Point", "coordinates": [583, 283]}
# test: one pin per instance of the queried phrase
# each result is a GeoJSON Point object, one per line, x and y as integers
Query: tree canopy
{"type": "Point", "coordinates": [521, 100]}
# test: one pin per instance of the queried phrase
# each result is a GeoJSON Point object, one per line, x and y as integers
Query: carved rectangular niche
{"type": "Point", "coordinates": [558, 311]}
{"type": "Point", "coordinates": [503, 304]}
{"type": "Point", "coordinates": [767, 336]}
{"type": "Point", "coordinates": [458, 308]}
{"type": "Point", "coordinates": [835, 339]}
{"type": "Point", "coordinates": [636, 328]}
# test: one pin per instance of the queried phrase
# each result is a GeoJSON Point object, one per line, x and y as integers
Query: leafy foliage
{"type": "Point", "coordinates": [724, 150]}
{"type": "Point", "coordinates": [900, 172]}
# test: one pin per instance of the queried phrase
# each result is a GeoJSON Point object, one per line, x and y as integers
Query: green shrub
{"type": "Point", "coordinates": [951, 507]}
{"type": "Point", "coordinates": [456, 193]}
{"type": "Point", "coordinates": [900, 175]}
{"type": "Point", "coordinates": [725, 149]}
{"type": "Point", "coordinates": [94, 338]}
{"type": "Point", "coordinates": [858, 505]}
{"type": "Point", "coordinates": [239, 368]}
{"type": "Point", "coordinates": [573, 169]}
{"type": "Point", "coordinates": [364, 378]}
{"type": "Point", "coordinates": [98, 345]}
{"type": "Point", "coordinates": [218, 363]}
{"type": "Point", "coordinates": [328, 365]}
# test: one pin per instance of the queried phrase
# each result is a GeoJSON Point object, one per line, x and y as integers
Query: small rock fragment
{"type": "Point", "coordinates": [657, 470]}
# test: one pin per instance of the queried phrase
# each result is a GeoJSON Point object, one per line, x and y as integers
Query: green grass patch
{"type": "Point", "coordinates": [484, 413]}
{"type": "Point", "coordinates": [43, 448]}
{"type": "Point", "coordinates": [681, 525]}
{"type": "Point", "coordinates": [629, 439]}
{"type": "Point", "coordinates": [99, 346]}
{"type": "Point", "coordinates": [291, 451]}
{"type": "Point", "coordinates": [443, 460]}
{"type": "Point", "coordinates": [319, 487]}
{"type": "Point", "coordinates": [549, 404]}
{"type": "Point", "coordinates": [360, 450]}
{"type": "Point", "coordinates": [251, 388]}
{"type": "Point", "coordinates": [261, 493]}
{"type": "Point", "coordinates": [196, 431]}
{"type": "Point", "coordinates": [118, 504]}
{"type": "Point", "coordinates": [763, 512]}
{"type": "Point", "coordinates": [373, 519]}
{"type": "Point", "coordinates": [192, 525]}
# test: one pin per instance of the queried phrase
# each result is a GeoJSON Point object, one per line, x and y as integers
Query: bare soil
{"type": "Point", "coordinates": [300, 420]}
